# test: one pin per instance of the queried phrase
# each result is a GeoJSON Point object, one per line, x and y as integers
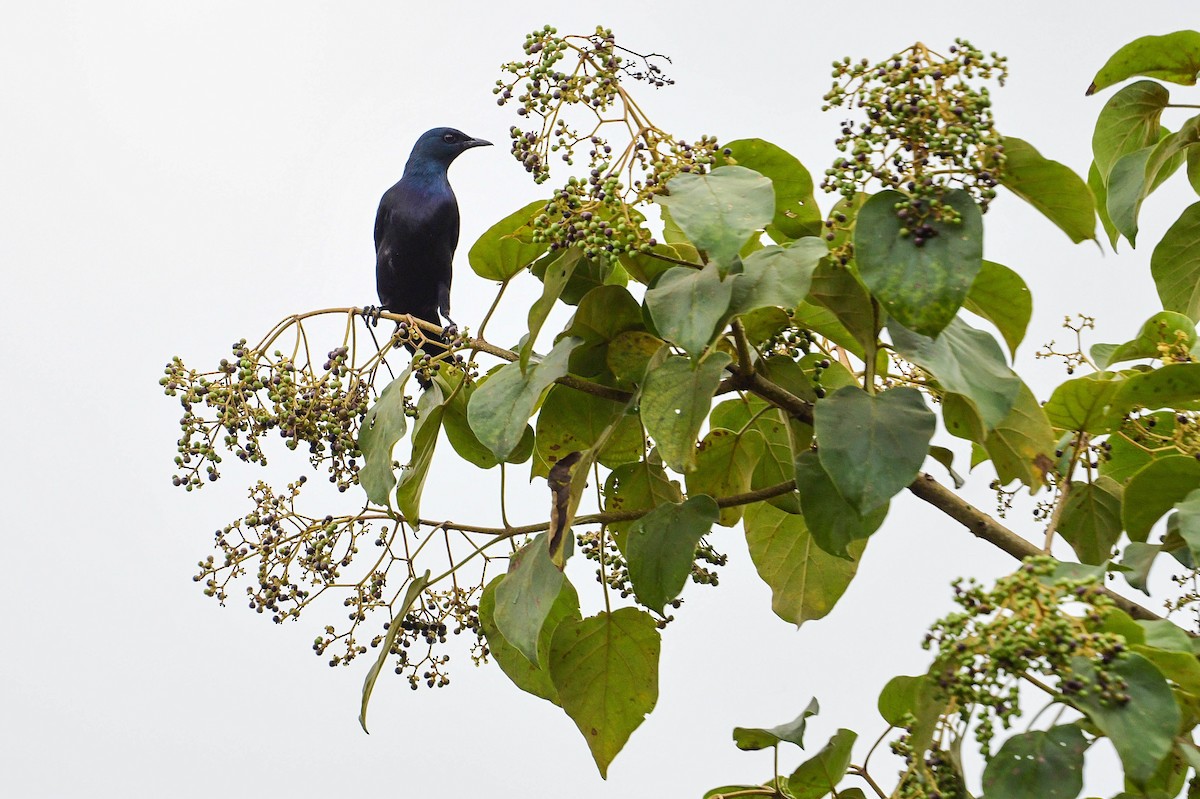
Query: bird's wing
{"type": "Point", "coordinates": [381, 221]}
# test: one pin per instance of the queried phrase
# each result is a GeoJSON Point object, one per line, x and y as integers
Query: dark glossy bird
{"type": "Point", "coordinates": [416, 230]}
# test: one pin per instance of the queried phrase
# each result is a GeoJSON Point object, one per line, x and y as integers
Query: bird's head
{"type": "Point", "coordinates": [443, 145]}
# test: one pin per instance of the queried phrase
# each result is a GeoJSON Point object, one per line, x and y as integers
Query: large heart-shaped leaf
{"type": "Point", "coordinates": [720, 210]}
{"type": "Point", "coordinates": [660, 548]}
{"type": "Point", "coordinates": [506, 247]}
{"type": "Point", "coordinates": [605, 669]}
{"type": "Point", "coordinates": [872, 445]}
{"type": "Point", "coordinates": [921, 286]}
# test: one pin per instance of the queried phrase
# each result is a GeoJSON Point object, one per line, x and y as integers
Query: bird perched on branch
{"type": "Point", "coordinates": [416, 231]}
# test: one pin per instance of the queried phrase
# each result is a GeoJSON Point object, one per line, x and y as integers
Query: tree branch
{"type": "Point", "coordinates": [985, 527]}
{"type": "Point", "coordinates": [571, 381]}
{"type": "Point", "coordinates": [924, 487]}
{"type": "Point", "coordinates": [608, 517]}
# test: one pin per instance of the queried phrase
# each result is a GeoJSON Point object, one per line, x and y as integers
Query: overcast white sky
{"type": "Point", "coordinates": [174, 176]}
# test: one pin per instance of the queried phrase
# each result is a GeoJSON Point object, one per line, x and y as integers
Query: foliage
{"type": "Point", "coordinates": [710, 377]}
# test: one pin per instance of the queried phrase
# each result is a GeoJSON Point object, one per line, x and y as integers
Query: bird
{"type": "Point", "coordinates": [416, 232]}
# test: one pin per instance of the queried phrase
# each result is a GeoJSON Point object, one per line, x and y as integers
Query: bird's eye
{"type": "Point", "coordinates": [448, 138]}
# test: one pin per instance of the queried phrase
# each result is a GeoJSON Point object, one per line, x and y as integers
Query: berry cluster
{"type": "Point", "coordinates": [702, 575]}
{"type": "Point", "coordinates": [294, 556]}
{"type": "Point", "coordinates": [1161, 432]}
{"type": "Point", "coordinates": [1016, 631]}
{"type": "Point", "coordinates": [250, 395]}
{"type": "Point", "coordinates": [928, 128]}
{"type": "Point", "coordinates": [595, 211]}
{"type": "Point", "coordinates": [938, 777]}
{"type": "Point", "coordinates": [613, 570]}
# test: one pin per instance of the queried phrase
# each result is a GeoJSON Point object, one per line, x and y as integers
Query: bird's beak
{"type": "Point", "coordinates": [469, 143]}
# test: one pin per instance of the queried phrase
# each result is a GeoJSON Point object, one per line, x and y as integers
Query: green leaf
{"type": "Point", "coordinates": [1175, 263]}
{"type": "Point", "coordinates": [1136, 175]}
{"type": "Point", "coordinates": [430, 409]}
{"type": "Point", "coordinates": [625, 443]}
{"type": "Point", "coordinates": [646, 267]}
{"type": "Point", "coordinates": [1084, 403]}
{"type": "Point", "coordinates": [764, 324]}
{"type": "Point", "coordinates": [687, 305]}
{"type": "Point", "coordinates": [637, 486]}
{"type": "Point", "coordinates": [604, 313]}
{"type": "Point", "coordinates": [1181, 668]}
{"type": "Point", "coordinates": [1000, 296]}
{"type": "Point", "coordinates": [1125, 457]}
{"type": "Point", "coordinates": [1091, 519]}
{"type": "Point", "coordinates": [1170, 649]}
{"type": "Point", "coordinates": [1174, 330]}
{"type": "Point", "coordinates": [917, 696]}
{"type": "Point", "coordinates": [506, 247]}
{"type": "Point", "coordinates": [382, 427]}
{"type": "Point", "coordinates": [1166, 635]}
{"type": "Point", "coordinates": [922, 287]}
{"type": "Point", "coordinates": [727, 791]}
{"type": "Point", "coordinates": [806, 581]}
{"type": "Point", "coordinates": [1174, 57]}
{"type": "Point", "coordinates": [796, 212]}
{"type": "Point", "coordinates": [824, 322]}
{"type": "Point", "coordinates": [628, 355]}
{"type": "Point", "coordinates": [1097, 403]}
{"type": "Point", "coordinates": [872, 445]}
{"type": "Point", "coordinates": [899, 698]}
{"type": "Point", "coordinates": [725, 461]}
{"type": "Point", "coordinates": [1100, 193]}
{"type": "Point", "coordinates": [1129, 121]}
{"type": "Point", "coordinates": [1136, 561]}
{"type": "Point", "coordinates": [1067, 572]}
{"type": "Point", "coordinates": [821, 773]}
{"type": "Point", "coordinates": [775, 275]}
{"type": "Point", "coordinates": [833, 522]}
{"type": "Point", "coordinates": [572, 421]}
{"type": "Point", "coordinates": [1176, 385]}
{"type": "Point", "coordinates": [458, 430]}
{"type": "Point", "coordinates": [1193, 168]}
{"type": "Point", "coordinates": [675, 402]}
{"type": "Point", "coordinates": [605, 669]}
{"type": "Point", "coordinates": [836, 288]}
{"type": "Point", "coordinates": [499, 408]}
{"type": "Point", "coordinates": [1022, 444]}
{"type": "Point", "coordinates": [1188, 521]}
{"type": "Point", "coordinates": [588, 274]}
{"type": "Point", "coordinates": [558, 272]}
{"type": "Point", "coordinates": [527, 676]}
{"type": "Point", "coordinates": [1048, 765]}
{"type": "Point", "coordinates": [389, 639]}
{"type": "Point", "coordinates": [1052, 188]}
{"type": "Point", "coordinates": [526, 595]}
{"type": "Point", "coordinates": [661, 548]}
{"type": "Point", "coordinates": [945, 457]}
{"type": "Point", "coordinates": [790, 375]}
{"type": "Point", "coordinates": [784, 437]}
{"type": "Point", "coordinates": [965, 361]}
{"type": "Point", "coordinates": [1142, 729]}
{"type": "Point", "coordinates": [721, 210]}
{"type": "Point", "coordinates": [754, 738]}
{"type": "Point", "coordinates": [1155, 489]}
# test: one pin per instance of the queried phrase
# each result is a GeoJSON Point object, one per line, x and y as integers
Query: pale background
{"type": "Point", "coordinates": [174, 176]}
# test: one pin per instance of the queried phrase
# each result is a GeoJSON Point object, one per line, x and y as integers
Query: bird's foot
{"type": "Point", "coordinates": [371, 314]}
{"type": "Point", "coordinates": [449, 332]}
